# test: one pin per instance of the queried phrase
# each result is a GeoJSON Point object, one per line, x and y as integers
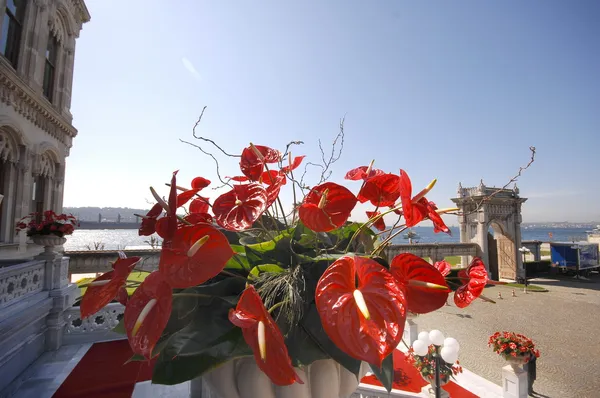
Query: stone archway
{"type": "Point", "coordinates": [484, 207]}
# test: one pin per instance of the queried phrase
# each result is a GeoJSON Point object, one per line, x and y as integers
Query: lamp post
{"type": "Point", "coordinates": [446, 351]}
{"type": "Point", "coordinates": [524, 252]}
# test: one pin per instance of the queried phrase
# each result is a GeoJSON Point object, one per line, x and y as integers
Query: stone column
{"type": "Point", "coordinates": [514, 382]}
{"type": "Point", "coordinates": [67, 74]}
{"type": "Point", "coordinates": [2, 7]}
{"type": "Point", "coordinates": [517, 234]}
{"type": "Point", "coordinates": [9, 202]}
{"type": "Point", "coordinates": [62, 293]}
{"type": "Point", "coordinates": [411, 330]}
{"type": "Point", "coordinates": [482, 229]}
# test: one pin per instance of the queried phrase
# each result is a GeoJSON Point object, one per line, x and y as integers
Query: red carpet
{"type": "Point", "coordinates": [102, 372]}
{"type": "Point", "coordinates": [407, 378]}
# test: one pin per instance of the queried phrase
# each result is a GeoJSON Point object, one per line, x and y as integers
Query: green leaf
{"type": "Point", "coordinates": [302, 348]}
{"type": "Point", "coordinates": [311, 323]}
{"type": "Point", "coordinates": [178, 369]}
{"type": "Point", "coordinates": [259, 269]}
{"type": "Point", "coordinates": [385, 374]}
{"type": "Point", "coordinates": [120, 328]}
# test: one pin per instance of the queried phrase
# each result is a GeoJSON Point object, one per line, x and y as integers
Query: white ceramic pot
{"type": "Point", "coordinates": [517, 362]}
{"type": "Point", "coordinates": [242, 378]}
{"type": "Point", "coordinates": [48, 241]}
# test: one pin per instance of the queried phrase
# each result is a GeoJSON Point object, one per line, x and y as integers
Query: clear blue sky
{"type": "Point", "coordinates": [453, 90]}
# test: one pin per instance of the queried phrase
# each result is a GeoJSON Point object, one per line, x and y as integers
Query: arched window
{"type": "Point", "coordinates": [12, 29]}
{"type": "Point", "coordinates": [43, 178]}
{"type": "Point", "coordinates": [50, 66]}
{"type": "Point", "coordinates": [9, 156]}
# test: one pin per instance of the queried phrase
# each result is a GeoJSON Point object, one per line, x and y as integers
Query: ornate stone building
{"type": "Point", "coordinates": [37, 52]}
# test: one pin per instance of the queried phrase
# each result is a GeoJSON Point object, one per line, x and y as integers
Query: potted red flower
{"type": "Point", "coordinates": [515, 348]}
{"type": "Point", "coordinates": [251, 296]}
{"type": "Point", "coordinates": [48, 228]}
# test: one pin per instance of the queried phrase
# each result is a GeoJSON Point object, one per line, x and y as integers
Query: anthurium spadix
{"type": "Point", "coordinates": [362, 308]}
{"type": "Point", "coordinates": [147, 314]}
{"type": "Point", "coordinates": [264, 338]}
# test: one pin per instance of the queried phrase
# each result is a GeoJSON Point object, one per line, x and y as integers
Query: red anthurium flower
{"type": "Point", "coordinates": [185, 196]}
{"type": "Point", "coordinates": [239, 208]}
{"type": "Point", "coordinates": [381, 190]}
{"type": "Point", "coordinates": [380, 223]}
{"type": "Point", "coordinates": [425, 287]}
{"type": "Point", "coordinates": [273, 190]}
{"type": "Point", "coordinates": [294, 163]}
{"type": "Point", "coordinates": [167, 225]}
{"type": "Point", "coordinates": [443, 266]}
{"type": "Point", "coordinates": [417, 208]}
{"type": "Point", "coordinates": [197, 253]}
{"type": "Point", "coordinates": [326, 207]}
{"type": "Point", "coordinates": [476, 278]}
{"type": "Point", "coordinates": [362, 308]}
{"type": "Point", "coordinates": [195, 218]}
{"type": "Point", "coordinates": [147, 314]}
{"type": "Point", "coordinates": [148, 225]}
{"type": "Point", "coordinates": [238, 178]}
{"type": "Point", "coordinates": [271, 176]}
{"type": "Point", "coordinates": [105, 288]}
{"type": "Point", "coordinates": [199, 205]}
{"type": "Point", "coordinates": [200, 183]}
{"type": "Point", "coordinates": [254, 159]}
{"type": "Point", "coordinates": [264, 338]}
{"type": "Point", "coordinates": [123, 296]}
{"type": "Point", "coordinates": [360, 173]}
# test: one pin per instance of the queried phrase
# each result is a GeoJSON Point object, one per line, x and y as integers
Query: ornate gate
{"type": "Point", "coordinates": [482, 207]}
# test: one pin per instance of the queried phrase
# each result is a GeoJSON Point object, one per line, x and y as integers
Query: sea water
{"type": "Point", "coordinates": [114, 239]}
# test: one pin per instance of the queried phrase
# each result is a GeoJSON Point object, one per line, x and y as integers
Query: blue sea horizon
{"type": "Point", "coordinates": [113, 239]}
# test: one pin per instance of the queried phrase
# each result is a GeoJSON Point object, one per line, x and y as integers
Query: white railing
{"type": "Point", "coordinates": [97, 327]}
{"type": "Point", "coordinates": [20, 281]}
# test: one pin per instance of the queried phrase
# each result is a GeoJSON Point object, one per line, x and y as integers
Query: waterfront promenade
{"type": "Point", "coordinates": [563, 322]}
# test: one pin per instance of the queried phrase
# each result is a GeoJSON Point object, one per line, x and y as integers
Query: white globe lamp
{"type": "Point", "coordinates": [420, 348]}
{"type": "Point", "coordinates": [424, 337]}
{"type": "Point", "coordinates": [449, 354]}
{"type": "Point", "coordinates": [436, 337]}
{"type": "Point", "coordinates": [451, 342]}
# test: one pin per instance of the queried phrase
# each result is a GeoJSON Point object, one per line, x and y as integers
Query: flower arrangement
{"type": "Point", "coordinates": [513, 345]}
{"type": "Point", "coordinates": [47, 223]}
{"type": "Point", "coordinates": [427, 347]}
{"type": "Point", "coordinates": [242, 277]}
{"type": "Point", "coordinates": [426, 365]}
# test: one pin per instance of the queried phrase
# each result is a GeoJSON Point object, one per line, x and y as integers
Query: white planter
{"type": "Point", "coordinates": [48, 241]}
{"type": "Point", "coordinates": [241, 378]}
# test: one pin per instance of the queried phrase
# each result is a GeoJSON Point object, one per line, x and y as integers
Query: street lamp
{"type": "Point", "coordinates": [446, 350]}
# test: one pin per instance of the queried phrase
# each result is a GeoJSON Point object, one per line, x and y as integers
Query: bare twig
{"type": "Point", "coordinates": [487, 198]}
{"type": "Point", "coordinates": [336, 153]}
{"type": "Point", "coordinates": [207, 139]}
{"type": "Point", "coordinates": [212, 156]}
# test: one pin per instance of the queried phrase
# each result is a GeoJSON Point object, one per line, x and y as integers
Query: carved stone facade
{"type": "Point", "coordinates": [483, 207]}
{"type": "Point", "coordinates": [36, 133]}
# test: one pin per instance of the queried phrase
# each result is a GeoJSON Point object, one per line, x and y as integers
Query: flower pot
{"type": "Point", "coordinates": [429, 390]}
{"type": "Point", "coordinates": [48, 241]}
{"type": "Point", "coordinates": [242, 378]}
{"type": "Point", "coordinates": [516, 362]}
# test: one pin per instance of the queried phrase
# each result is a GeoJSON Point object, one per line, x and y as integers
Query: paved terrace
{"type": "Point", "coordinates": [564, 323]}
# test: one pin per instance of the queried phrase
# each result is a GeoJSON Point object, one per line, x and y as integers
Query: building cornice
{"type": "Point", "coordinates": [32, 106]}
{"type": "Point", "coordinates": [82, 11]}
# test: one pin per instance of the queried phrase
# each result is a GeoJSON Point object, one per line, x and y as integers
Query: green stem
{"type": "Point", "coordinates": [273, 308]}
{"type": "Point", "coordinates": [383, 244]}
{"type": "Point", "coordinates": [370, 223]}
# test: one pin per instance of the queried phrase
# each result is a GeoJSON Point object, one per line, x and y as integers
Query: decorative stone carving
{"type": "Point", "coordinates": [17, 282]}
{"type": "Point", "coordinates": [104, 320]}
{"type": "Point", "coordinates": [9, 151]}
{"type": "Point", "coordinates": [25, 101]}
{"type": "Point", "coordinates": [57, 28]}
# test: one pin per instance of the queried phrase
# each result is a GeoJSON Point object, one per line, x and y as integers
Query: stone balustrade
{"type": "Point", "coordinates": [435, 251]}
{"type": "Point", "coordinates": [96, 328]}
{"type": "Point", "coordinates": [99, 261]}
